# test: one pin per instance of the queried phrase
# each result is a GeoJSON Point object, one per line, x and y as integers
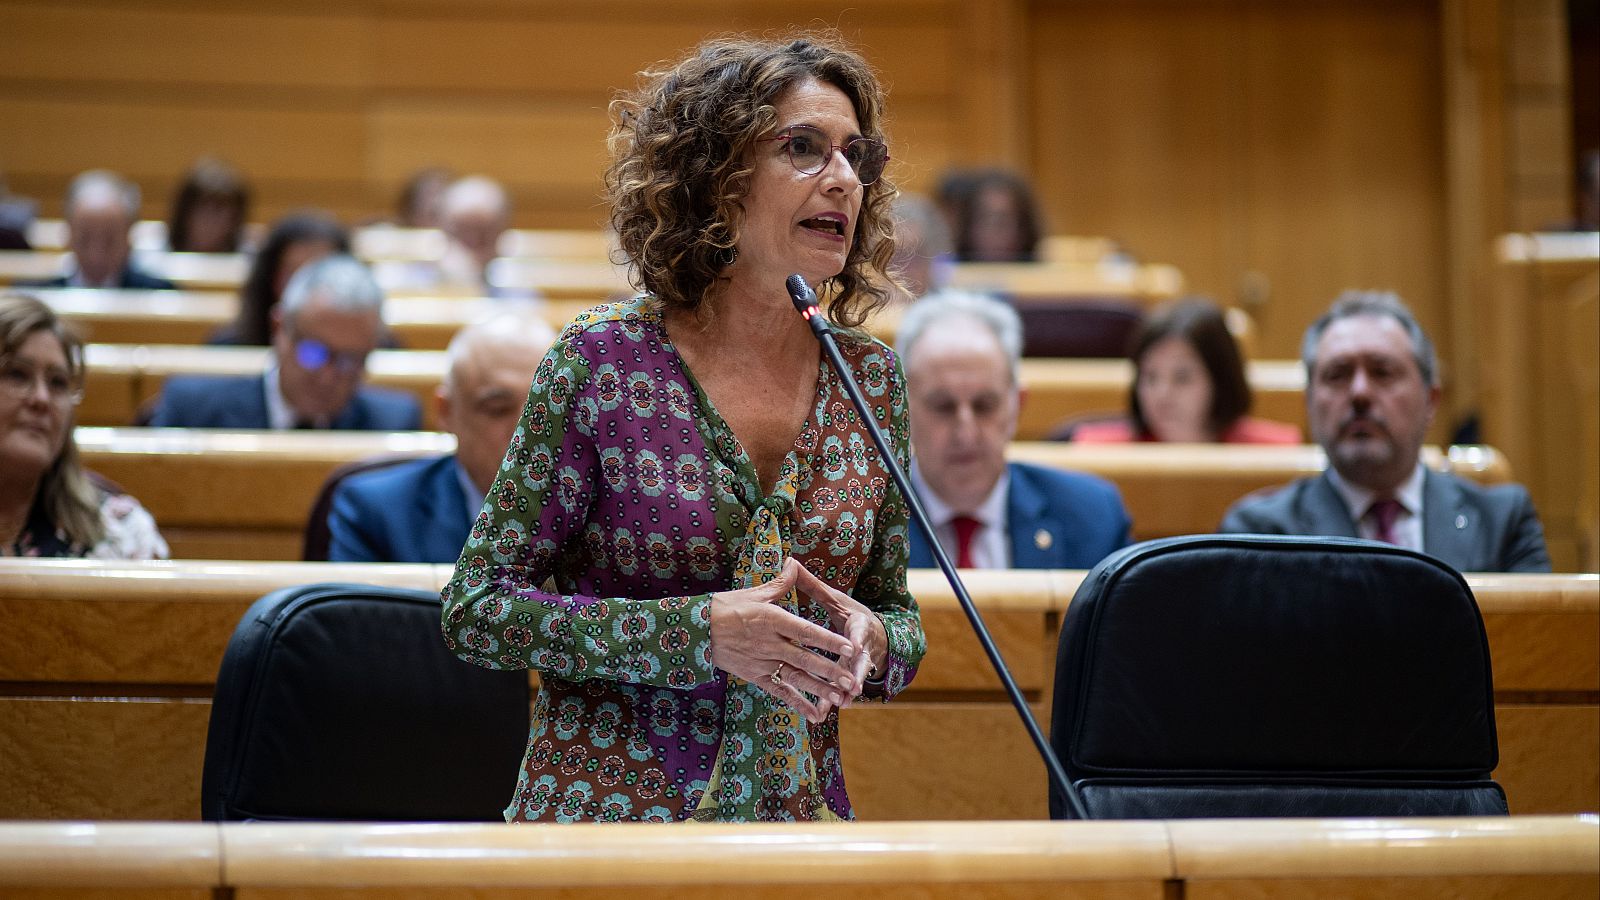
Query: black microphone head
{"type": "Point", "coordinates": [800, 293]}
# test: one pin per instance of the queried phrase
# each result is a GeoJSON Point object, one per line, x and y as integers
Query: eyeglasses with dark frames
{"type": "Point", "coordinates": [313, 355]}
{"type": "Point", "coordinates": [809, 151]}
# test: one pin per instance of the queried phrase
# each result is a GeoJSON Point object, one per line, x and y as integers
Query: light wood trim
{"type": "Point", "coordinates": [109, 854]}
{"type": "Point", "coordinates": [1150, 282]}
{"type": "Point", "coordinates": [1507, 593]}
{"type": "Point", "coordinates": [1367, 848]}
{"type": "Point", "coordinates": [271, 855]}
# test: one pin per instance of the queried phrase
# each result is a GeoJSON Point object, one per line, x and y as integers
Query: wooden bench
{"type": "Point", "coordinates": [106, 670]}
{"type": "Point", "coordinates": [1544, 856]}
{"type": "Point", "coordinates": [246, 494]}
{"type": "Point", "coordinates": [124, 376]}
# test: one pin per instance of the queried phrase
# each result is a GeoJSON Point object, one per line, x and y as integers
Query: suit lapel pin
{"type": "Point", "coordinates": [1461, 521]}
{"type": "Point", "coordinates": [1042, 539]}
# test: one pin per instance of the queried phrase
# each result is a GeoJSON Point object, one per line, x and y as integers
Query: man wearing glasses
{"type": "Point", "coordinates": [329, 320]}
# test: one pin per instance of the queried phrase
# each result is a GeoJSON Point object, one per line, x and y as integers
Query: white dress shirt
{"type": "Point", "coordinates": [1407, 528]}
{"type": "Point", "coordinates": [280, 415]}
{"type": "Point", "coordinates": [991, 544]}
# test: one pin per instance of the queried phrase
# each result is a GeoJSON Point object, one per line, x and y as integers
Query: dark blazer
{"type": "Point", "coordinates": [410, 512]}
{"type": "Point", "coordinates": [1469, 527]}
{"type": "Point", "coordinates": [1055, 519]}
{"type": "Point", "coordinates": [240, 401]}
{"type": "Point", "coordinates": [132, 280]}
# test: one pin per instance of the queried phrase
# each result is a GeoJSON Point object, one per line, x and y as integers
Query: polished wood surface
{"type": "Point", "coordinates": [1534, 407]}
{"type": "Point", "coordinates": [122, 377]}
{"type": "Point", "coordinates": [190, 317]}
{"type": "Point", "coordinates": [934, 859]}
{"type": "Point", "coordinates": [207, 488]}
{"type": "Point", "coordinates": [106, 672]}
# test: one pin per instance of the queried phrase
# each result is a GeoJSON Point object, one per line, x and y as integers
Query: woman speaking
{"type": "Point", "coordinates": [690, 537]}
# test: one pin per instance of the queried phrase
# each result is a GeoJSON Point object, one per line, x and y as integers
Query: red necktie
{"type": "Point", "coordinates": [1383, 513]}
{"type": "Point", "coordinates": [966, 528]}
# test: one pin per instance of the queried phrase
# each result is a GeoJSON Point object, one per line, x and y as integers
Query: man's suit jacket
{"type": "Point", "coordinates": [240, 401]}
{"type": "Point", "coordinates": [409, 512]}
{"type": "Point", "coordinates": [1055, 519]}
{"type": "Point", "coordinates": [132, 280]}
{"type": "Point", "coordinates": [1472, 528]}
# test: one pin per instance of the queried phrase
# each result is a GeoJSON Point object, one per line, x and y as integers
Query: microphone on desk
{"type": "Point", "coordinates": [805, 300]}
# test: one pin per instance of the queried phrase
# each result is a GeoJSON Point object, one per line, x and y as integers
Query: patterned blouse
{"type": "Point", "coordinates": [130, 533]}
{"type": "Point", "coordinates": [624, 486]}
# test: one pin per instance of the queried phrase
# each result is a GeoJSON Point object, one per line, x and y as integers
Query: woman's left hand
{"type": "Point", "coordinates": [860, 625]}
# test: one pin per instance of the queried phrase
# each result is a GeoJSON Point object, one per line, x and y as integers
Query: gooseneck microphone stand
{"type": "Point", "coordinates": [806, 302]}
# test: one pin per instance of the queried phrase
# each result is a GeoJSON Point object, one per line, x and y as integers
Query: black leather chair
{"type": "Point", "coordinates": [1247, 675]}
{"type": "Point", "coordinates": [340, 702]}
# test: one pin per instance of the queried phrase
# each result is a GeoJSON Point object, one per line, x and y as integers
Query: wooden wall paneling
{"type": "Point", "coordinates": [1297, 141]}
{"type": "Point", "coordinates": [1548, 757]}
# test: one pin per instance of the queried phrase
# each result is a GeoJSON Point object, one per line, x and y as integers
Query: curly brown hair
{"type": "Point", "coordinates": [679, 171]}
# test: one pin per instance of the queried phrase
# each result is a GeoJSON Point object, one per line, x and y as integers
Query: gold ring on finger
{"type": "Point", "coordinates": [777, 675]}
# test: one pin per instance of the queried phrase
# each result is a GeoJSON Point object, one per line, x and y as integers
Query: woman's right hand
{"type": "Point", "coordinates": [751, 636]}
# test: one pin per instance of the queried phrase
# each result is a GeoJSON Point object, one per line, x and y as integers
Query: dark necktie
{"type": "Point", "coordinates": [1383, 513]}
{"type": "Point", "coordinates": [966, 529]}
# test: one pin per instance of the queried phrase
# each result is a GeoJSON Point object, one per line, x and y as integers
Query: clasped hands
{"type": "Point", "coordinates": [758, 640]}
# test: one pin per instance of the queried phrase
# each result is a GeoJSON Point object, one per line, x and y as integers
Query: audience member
{"type": "Point", "coordinates": [473, 213]}
{"type": "Point", "coordinates": [419, 198]}
{"type": "Point", "coordinates": [101, 208]}
{"type": "Point", "coordinates": [1372, 389]}
{"type": "Point", "coordinates": [922, 247]}
{"type": "Point", "coordinates": [294, 240]}
{"type": "Point", "coordinates": [1189, 384]}
{"type": "Point", "coordinates": [210, 210]}
{"type": "Point", "coordinates": [421, 511]}
{"type": "Point", "coordinates": [49, 506]}
{"type": "Point", "coordinates": [997, 219]}
{"type": "Point", "coordinates": [961, 354]}
{"type": "Point", "coordinates": [329, 321]}
{"type": "Point", "coordinates": [16, 215]}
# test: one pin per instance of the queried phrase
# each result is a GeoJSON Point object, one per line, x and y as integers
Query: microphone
{"type": "Point", "coordinates": [805, 300]}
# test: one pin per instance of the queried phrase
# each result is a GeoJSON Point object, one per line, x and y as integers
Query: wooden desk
{"type": "Point", "coordinates": [1111, 277]}
{"type": "Point", "coordinates": [1543, 856]}
{"type": "Point", "coordinates": [124, 376]}
{"type": "Point", "coordinates": [106, 672]}
{"type": "Point", "coordinates": [189, 317]}
{"type": "Point", "coordinates": [195, 271]}
{"type": "Point", "coordinates": [228, 495]}
{"type": "Point", "coordinates": [1533, 406]}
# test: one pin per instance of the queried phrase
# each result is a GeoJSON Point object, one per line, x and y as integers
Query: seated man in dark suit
{"type": "Point", "coordinates": [421, 510]}
{"type": "Point", "coordinates": [101, 208]}
{"type": "Point", "coordinates": [961, 354]}
{"type": "Point", "coordinates": [330, 318]}
{"type": "Point", "coordinates": [1371, 390]}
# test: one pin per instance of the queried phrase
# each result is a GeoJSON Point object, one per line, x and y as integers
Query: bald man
{"type": "Point", "coordinates": [961, 356]}
{"type": "Point", "coordinates": [421, 510]}
{"type": "Point", "coordinates": [101, 208]}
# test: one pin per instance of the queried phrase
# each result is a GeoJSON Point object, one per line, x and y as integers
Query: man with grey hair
{"type": "Point", "coordinates": [101, 207]}
{"type": "Point", "coordinates": [421, 510]}
{"type": "Point", "coordinates": [961, 354]}
{"type": "Point", "coordinates": [330, 319]}
{"type": "Point", "coordinates": [1372, 388]}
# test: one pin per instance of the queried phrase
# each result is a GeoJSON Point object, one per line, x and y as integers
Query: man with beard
{"type": "Point", "coordinates": [1371, 391]}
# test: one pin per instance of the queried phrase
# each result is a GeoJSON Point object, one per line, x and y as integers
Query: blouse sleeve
{"type": "Point", "coordinates": [130, 532]}
{"type": "Point", "coordinates": [497, 613]}
{"type": "Point", "coordinates": [882, 585]}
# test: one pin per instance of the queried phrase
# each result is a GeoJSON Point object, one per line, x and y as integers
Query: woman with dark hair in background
{"type": "Point", "coordinates": [1189, 385]}
{"type": "Point", "coordinates": [49, 506]}
{"type": "Point", "coordinates": [294, 240]}
{"type": "Point", "coordinates": [210, 210]}
{"type": "Point", "coordinates": [996, 218]}
{"type": "Point", "coordinates": [728, 551]}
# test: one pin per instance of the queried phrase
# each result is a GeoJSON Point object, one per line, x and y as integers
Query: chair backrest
{"type": "Point", "coordinates": [340, 702]}
{"type": "Point", "coordinates": [314, 547]}
{"type": "Point", "coordinates": [1092, 327]}
{"type": "Point", "coordinates": [1249, 675]}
